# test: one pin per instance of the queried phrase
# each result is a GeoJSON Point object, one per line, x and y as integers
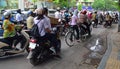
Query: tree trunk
{"type": "Point", "coordinates": [7, 3]}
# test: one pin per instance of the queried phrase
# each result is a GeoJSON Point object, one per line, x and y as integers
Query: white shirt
{"type": "Point", "coordinates": [57, 15]}
{"type": "Point", "coordinates": [48, 22]}
{"type": "Point", "coordinates": [42, 25]}
{"type": "Point", "coordinates": [19, 17]}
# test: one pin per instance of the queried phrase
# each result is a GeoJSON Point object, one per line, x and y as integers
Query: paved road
{"type": "Point", "coordinates": [71, 57]}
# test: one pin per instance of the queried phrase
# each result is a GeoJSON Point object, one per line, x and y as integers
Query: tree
{"type": "Point", "coordinates": [117, 5]}
{"type": "Point", "coordinates": [64, 3]}
{"type": "Point", "coordinates": [80, 7]}
{"type": "Point", "coordinates": [103, 5]}
{"type": "Point", "coordinates": [99, 4]}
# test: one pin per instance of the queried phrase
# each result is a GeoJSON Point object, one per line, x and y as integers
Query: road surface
{"type": "Point", "coordinates": [71, 56]}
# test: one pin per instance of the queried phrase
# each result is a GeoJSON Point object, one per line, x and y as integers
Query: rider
{"type": "Point", "coordinates": [19, 17]}
{"type": "Point", "coordinates": [12, 19]}
{"type": "Point", "coordinates": [95, 17]}
{"type": "Point", "coordinates": [108, 18]}
{"type": "Point", "coordinates": [30, 21]}
{"type": "Point", "coordinates": [67, 15]}
{"type": "Point", "coordinates": [44, 26]}
{"type": "Point", "coordinates": [84, 20]}
{"type": "Point", "coordinates": [73, 23]}
{"type": "Point", "coordinates": [9, 34]}
{"type": "Point", "coordinates": [58, 14]}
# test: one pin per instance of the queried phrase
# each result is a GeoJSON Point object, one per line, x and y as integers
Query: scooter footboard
{"type": "Point", "coordinates": [3, 44]}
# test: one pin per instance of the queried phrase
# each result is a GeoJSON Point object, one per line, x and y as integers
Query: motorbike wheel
{"type": "Point", "coordinates": [70, 38]}
{"type": "Point", "coordinates": [105, 25]}
{"type": "Point", "coordinates": [36, 58]}
{"type": "Point", "coordinates": [83, 37]}
{"type": "Point", "coordinates": [34, 61]}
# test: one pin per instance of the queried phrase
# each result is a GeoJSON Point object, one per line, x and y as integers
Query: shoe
{"type": "Point", "coordinates": [78, 40]}
{"type": "Point", "coordinates": [89, 36]}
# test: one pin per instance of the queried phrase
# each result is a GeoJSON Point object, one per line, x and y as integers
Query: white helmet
{"type": "Point", "coordinates": [7, 14]}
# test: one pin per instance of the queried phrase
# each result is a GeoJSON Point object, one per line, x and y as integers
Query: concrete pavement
{"type": "Point", "coordinates": [111, 59]}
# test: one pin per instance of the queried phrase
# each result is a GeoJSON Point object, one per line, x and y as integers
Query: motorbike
{"type": "Point", "coordinates": [94, 24]}
{"type": "Point", "coordinates": [42, 50]}
{"type": "Point", "coordinates": [107, 23]}
{"type": "Point", "coordinates": [6, 50]}
{"type": "Point", "coordinates": [83, 31]}
{"type": "Point", "coordinates": [64, 27]}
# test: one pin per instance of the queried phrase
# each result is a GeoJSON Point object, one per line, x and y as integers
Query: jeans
{"type": "Point", "coordinates": [75, 27]}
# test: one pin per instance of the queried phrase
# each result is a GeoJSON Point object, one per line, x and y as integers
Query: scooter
{"type": "Point", "coordinates": [42, 50]}
{"type": "Point", "coordinates": [6, 50]}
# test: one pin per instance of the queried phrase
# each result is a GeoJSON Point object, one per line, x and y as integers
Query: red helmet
{"type": "Point", "coordinates": [84, 12]}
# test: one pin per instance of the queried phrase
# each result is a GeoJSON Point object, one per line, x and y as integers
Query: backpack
{"type": "Point", "coordinates": [35, 31]}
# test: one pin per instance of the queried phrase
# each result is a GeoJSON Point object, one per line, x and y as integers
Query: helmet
{"type": "Point", "coordinates": [7, 14]}
{"type": "Point", "coordinates": [30, 12]}
{"type": "Point", "coordinates": [58, 8]}
{"type": "Point", "coordinates": [39, 11]}
{"type": "Point", "coordinates": [84, 12]}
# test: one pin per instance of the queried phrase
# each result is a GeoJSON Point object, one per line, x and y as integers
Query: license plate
{"type": "Point", "coordinates": [32, 45]}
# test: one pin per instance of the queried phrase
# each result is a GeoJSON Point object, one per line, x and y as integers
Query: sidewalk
{"type": "Point", "coordinates": [111, 59]}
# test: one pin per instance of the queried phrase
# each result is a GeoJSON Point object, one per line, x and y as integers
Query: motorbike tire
{"type": "Point", "coordinates": [105, 26]}
{"type": "Point", "coordinates": [34, 61]}
{"type": "Point", "coordinates": [82, 35]}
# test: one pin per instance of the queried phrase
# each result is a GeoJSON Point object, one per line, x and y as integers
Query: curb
{"type": "Point", "coordinates": [107, 53]}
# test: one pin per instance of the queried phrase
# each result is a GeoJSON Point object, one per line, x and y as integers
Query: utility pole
{"type": "Point", "coordinates": [119, 17]}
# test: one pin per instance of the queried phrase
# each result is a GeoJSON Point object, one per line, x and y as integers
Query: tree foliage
{"type": "Point", "coordinates": [117, 5]}
{"type": "Point", "coordinates": [64, 3]}
{"type": "Point", "coordinates": [103, 5]}
{"type": "Point", "coordinates": [80, 7]}
{"type": "Point", "coordinates": [98, 4]}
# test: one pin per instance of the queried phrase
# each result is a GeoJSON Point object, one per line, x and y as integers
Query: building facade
{"type": "Point", "coordinates": [22, 4]}
{"type": "Point", "coordinates": [86, 4]}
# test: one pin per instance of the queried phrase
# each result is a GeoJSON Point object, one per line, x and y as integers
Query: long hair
{"type": "Point", "coordinates": [40, 16]}
{"type": "Point", "coordinates": [45, 11]}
